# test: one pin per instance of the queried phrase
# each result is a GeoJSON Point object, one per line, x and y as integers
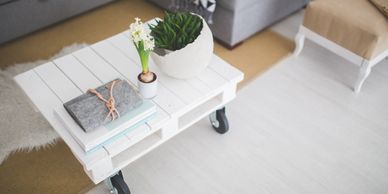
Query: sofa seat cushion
{"type": "Point", "coordinates": [354, 24]}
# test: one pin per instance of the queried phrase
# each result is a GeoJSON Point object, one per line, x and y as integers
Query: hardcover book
{"type": "Point", "coordinates": [103, 114]}
{"type": "Point", "coordinates": [109, 132]}
{"type": "Point", "coordinates": [101, 105]}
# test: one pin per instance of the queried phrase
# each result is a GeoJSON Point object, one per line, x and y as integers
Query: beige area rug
{"type": "Point", "coordinates": [54, 169]}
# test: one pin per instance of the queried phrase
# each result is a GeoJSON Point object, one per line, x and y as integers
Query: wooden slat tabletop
{"type": "Point", "coordinates": [53, 83]}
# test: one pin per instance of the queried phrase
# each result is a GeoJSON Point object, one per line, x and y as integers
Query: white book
{"type": "Point", "coordinates": [107, 133]}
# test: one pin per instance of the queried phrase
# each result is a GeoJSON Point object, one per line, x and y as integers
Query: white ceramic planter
{"type": "Point", "coordinates": [148, 90]}
{"type": "Point", "coordinates": [190, 60]}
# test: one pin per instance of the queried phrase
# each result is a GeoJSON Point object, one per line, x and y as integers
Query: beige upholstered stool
{"type": "Point", "coordinates": [353, 29]}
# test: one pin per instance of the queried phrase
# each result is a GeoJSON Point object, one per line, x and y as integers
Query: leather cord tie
{"type": "Point", "coordinates": [110, 103]}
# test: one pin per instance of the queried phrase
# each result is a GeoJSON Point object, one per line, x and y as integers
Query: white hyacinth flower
{"type": "Point", "coordinates": [149, 44]}
{"type": "Point", "coordinates": [141, 34]}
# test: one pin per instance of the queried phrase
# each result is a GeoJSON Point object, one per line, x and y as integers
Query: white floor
{"type": "Point", "coordinates": [298, 128]}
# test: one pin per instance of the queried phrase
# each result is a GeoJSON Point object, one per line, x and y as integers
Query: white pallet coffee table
{"type": "Point", "coordinates": [180, 103]}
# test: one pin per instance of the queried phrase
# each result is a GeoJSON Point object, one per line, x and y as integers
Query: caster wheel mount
{"type": "Point", "coordinates": [219, 121]}
{"type": "Point", "coordinates": [118, 184]}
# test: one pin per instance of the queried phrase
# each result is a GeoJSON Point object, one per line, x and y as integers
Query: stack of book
{"type": "Point", "coordinates": [81, 114]}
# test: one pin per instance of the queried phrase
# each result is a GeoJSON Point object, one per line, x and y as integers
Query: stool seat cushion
{"type": "Point", "coordinates": [353, 24]}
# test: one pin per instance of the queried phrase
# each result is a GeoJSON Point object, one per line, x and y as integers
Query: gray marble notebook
{"type": "Point", "coordinates": [90, 112]}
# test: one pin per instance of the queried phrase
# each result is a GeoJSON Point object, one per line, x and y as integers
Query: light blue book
{"type": "Point", "coordinates": [126, 131]}
{"type": "Point", "coordinates": [109, 132]}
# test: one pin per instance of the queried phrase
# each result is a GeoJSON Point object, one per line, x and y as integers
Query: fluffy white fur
{"type": "Point", "coordinates": [21, 127]}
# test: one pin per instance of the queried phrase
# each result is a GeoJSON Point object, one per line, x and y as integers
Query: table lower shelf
{"type": "Point", "coordinates": [147, 140]}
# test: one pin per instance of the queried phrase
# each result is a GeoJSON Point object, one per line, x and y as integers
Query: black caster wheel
{"type": "Point", "coordinates": [119, 184]}
{"type": "Point", "coordinates": [219, 121]}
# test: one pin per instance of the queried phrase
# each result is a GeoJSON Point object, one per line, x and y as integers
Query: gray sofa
{"type": "Point", "coordinates": [19, 17]}
{"type": "Point", "coordinates": [236, 20]}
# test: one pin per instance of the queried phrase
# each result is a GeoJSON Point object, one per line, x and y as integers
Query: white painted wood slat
{"type": "Point", "coordinates": [103, 71]}
{"type": "Point", "coordinates": [77, 73]}
{"type": "Point", "coordinates": [118, 61]}
{"type": "Point", "coordinates": [168, 101]}
{"type": "Point", "coordinates": [35, 87]}
{"type": "Point", "coordinates": [160, 118]}
{"type": "Point", "coordinates": [57, 82]}
{"type": "Point", "coordinates": [180, 88]}
{"type": "Point", "coordinates": [123, 42]}
{"type": "Point", "coordinates": [212, 79]}
{"type": "Point", "coordinates": [199, 85]}
{"type": "Point", "coordinates": [85, 79]}
{"type": "Point", "coordinates": [126, 141]}
{"type": "Point", "coordinates": [225, 70]}
{"type": "Point", "coordinates": [118, 145]}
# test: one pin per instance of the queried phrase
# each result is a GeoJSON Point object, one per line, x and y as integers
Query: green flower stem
{"type": "Point", "coordinates": [144, 55]}
{"type": "Point", "coordinates": [144, 61]}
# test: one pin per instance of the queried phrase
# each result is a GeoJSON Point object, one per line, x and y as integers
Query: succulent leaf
{"type": "Point", "coordinates": [176, 30]}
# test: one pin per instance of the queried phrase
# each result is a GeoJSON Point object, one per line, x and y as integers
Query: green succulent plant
{"type": "Point", "coordinates": [176, 30]}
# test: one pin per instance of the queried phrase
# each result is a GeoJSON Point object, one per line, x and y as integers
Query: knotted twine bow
{"type": "Point", "coordinates": [110, 103]}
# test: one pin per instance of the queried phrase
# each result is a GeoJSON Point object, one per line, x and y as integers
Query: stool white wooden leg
{"type": "Point", "coordinates": [299, 43]}
{"type": "Point", "coordinates": [365, 70]}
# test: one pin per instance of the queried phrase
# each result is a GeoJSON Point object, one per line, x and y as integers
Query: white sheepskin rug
{"type": "Point", "coordinates": [21, 128]}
